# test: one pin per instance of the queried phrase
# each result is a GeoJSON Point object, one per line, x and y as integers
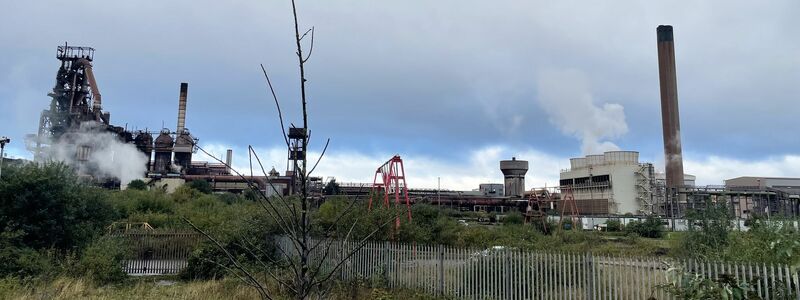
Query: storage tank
{"type": "Point", "coordinates": [163, 150]}
{"type": "Point", "coordinates": [514, 172]}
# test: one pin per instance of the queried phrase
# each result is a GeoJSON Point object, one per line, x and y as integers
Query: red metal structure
{"type": "Point", "coordinates": [568, 203]}
{"type": "Point", "coordinates": [392, 181]}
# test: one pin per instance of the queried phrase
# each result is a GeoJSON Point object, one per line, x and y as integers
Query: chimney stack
{"type": "Point", "coordinates": [182, 108]}
{"type": "Point", "coordinates": [670, 118]}
{"type": "Point", "coordinates": [229, 160]}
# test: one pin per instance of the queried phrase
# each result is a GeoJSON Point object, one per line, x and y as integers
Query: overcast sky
{"type": "Point", "coordinates": [451, 86]}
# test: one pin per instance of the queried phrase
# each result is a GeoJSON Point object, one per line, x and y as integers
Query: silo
{"type": "Point", "coordinates": [163, 150]}
{"type": "Point", "coordinates": [514, 172]}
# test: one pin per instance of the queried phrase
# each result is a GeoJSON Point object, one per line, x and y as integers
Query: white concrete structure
{"type": "Point", "coordinates": [614, 183]}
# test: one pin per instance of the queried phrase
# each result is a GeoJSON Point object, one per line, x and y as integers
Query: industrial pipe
{"type": "Point", "coordinates": [97, 101]}
{"type": "Point", "coordinates": [670, 119]}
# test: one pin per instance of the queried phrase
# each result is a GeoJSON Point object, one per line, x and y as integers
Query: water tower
{"type": "Point", "coordinates": [514, 172]}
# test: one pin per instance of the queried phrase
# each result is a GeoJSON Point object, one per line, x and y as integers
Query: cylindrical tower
{"type": "Point", "coordinates": [163, 150]}
{"type": "Point", "coordinates": [670, 119]}
{"type": "Point", "coordinates": [182, 107]}
{"type": "Point", "coordinates": [184, 142]}
{"type": "Point", "coordinates": [514, 172]}
{"type": "Point", "coordinates": [144, 143]}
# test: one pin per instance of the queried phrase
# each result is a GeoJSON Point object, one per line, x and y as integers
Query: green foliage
{"type": "Point", "coordinates": [709, 232]}
{"type": "Point", "coordinates": [766, 242]}
{"type": "Point", "coordinates": [137, 184]}
{"type": "Point", "coordinates": [103, 261]}
{"type": "Point", "coordinates": [650, 228]}
{"type": "Point", "coordinates": [49, 208]}
{"type": "Point", "coordinates": [513, 218]}
{"type": "Point", "coordinates": [204, 263]}
{"type": "Point", "coordinates": [613, 225]}
{"type": "Point", "coordinates": [684, 285]}
{"type": "Point", "coordinates": [20, 261]}
{"type": "Point", "coordinates": [185, 193]}
{"type": "Point", "coordinates": [201, 186]}
{"type": "Point", "coordinates": [331, 188]}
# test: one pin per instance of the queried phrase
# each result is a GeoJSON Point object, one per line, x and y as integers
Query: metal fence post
{"type": "Point", "coordinates": [441, 270]}
{"type": "Point", "coordinates": [590, 276]}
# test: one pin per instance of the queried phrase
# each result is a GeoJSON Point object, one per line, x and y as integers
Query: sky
{"type": "Point", "coordinates": [453, 86]}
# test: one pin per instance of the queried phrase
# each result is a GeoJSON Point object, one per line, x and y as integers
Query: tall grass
{"type": "Point", "coordinates": [171, 288]}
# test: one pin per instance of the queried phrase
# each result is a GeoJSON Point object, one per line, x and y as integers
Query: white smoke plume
{"type": "Point", "coordinates": [108, 158]}
{"type": "Point", "coordinates": [565, 96]}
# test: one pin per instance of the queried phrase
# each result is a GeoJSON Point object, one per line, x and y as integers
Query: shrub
{"type": "Point", "coordinates": [103, 260]}
{"type": "Point", "coordinates": [185, 194]}
{"type": "Point", "coordinates": [513, 218]}
{"type": "Point", "coordinates": [49, 207]}
{"type": "Point", "coordinates": [205, 263]}
{"type": "Point", "coordinates": [137, 184]}
{"type": "Point", "coordinates": [650, 228]}
{"type": "Point", "coordinates": [201, 186]}
{"type": "Point", "coordinates": [709, 232]}
{"type": "Point", "coordinates": [613, 225]}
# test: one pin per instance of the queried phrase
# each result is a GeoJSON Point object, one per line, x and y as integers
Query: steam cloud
{"type": "Point", "coordinates": [108, 158]}
{"type": "Point", "coordinates": [566, 97]}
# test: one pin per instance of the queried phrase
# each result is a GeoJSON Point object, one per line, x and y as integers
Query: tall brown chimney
{"type": "Point", "coordinates": [182, 108]}
{"type": "Point", "coordinates": [670, 118]}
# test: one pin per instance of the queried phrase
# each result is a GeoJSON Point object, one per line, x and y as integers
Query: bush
{"type": "Point", "coordinates": [613, 225]}
{"type": "Point", "coordinates": [513, 218]}
{"type": "Point", "coordinates": [709, 232]}
{"type": "Point", "coordinates": [20, 261]}
{"type": "Point", "coordinates": [185, 193]}
{"type": "Point", "coordinates": [49, 208]}
{"type": "Point", "coordinates": [201, 186]}
{"type": "Point", "coordinates": [650, 228]}
{"type": "Point", "coordinates": [103, 260]}
{"type": "Point", "coordinates": [137, 184]}
{"type": "Point", "coordinates": [205, 263]}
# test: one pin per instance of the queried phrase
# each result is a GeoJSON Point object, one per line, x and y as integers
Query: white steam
{"type": "Point", "coordinates": [93, 151]}
{"type": "Point", "coordinates": [566, 97]}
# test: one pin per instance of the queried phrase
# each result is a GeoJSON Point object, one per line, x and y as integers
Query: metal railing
{"type": "Point", "coordinates": [157, 252]}
{"type": "Point", "coordinates": [503, 273]}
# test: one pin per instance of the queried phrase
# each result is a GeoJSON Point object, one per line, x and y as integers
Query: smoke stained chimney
{"type": "Point", "coordinates": [229, 160]}
{"type": "Point", "coordinates": [670, 118]}
{"type": "Point", "coordinates": [182, 108]}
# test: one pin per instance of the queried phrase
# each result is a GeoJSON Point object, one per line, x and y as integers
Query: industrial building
{"type": "Point", "coordinates": [613, 183]}
{"type": "Point", "coordinates": [76, 109]}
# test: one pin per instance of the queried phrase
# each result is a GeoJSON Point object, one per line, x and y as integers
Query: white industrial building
{"type": "Point", "coordinates": [614, 183]}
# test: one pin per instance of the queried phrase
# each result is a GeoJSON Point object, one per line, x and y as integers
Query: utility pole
{"type": "Point", "coordinates": [3, 142]}
{"type": "Point", "coordinates": [438, 190]}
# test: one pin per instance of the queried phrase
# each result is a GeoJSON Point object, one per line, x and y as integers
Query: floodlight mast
{"type": "Point", "coordinates": [3, 142]}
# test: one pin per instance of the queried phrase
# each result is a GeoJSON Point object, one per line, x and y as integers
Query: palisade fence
{"type": "Point", "coordinates": [157, 252]}
{"type": "Point", "coordinates": [501, 273]}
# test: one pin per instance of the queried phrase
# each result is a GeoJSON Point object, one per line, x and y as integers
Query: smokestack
{"type": "Point", "coordinates": [182, 108]}
{"type": "Point", "coordinates": [228, 160]}
{"type": "Point", "coordinates": [670, 118]}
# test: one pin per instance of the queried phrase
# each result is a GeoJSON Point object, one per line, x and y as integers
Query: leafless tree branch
{"type": "Point", "coordinates": [277, 104]}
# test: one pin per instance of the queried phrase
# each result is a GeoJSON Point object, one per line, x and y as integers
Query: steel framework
{"type": "Point", "coordinates": [568, 200]}
{"type": "Point", "coordinates": [392, 181]}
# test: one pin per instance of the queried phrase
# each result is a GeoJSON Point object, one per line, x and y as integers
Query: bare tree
{"type": "Point", "coordinates": [305, 261]}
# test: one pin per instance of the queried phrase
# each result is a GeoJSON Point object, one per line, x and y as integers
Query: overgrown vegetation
{"type": "Point", "coordinates": [53, 228]}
